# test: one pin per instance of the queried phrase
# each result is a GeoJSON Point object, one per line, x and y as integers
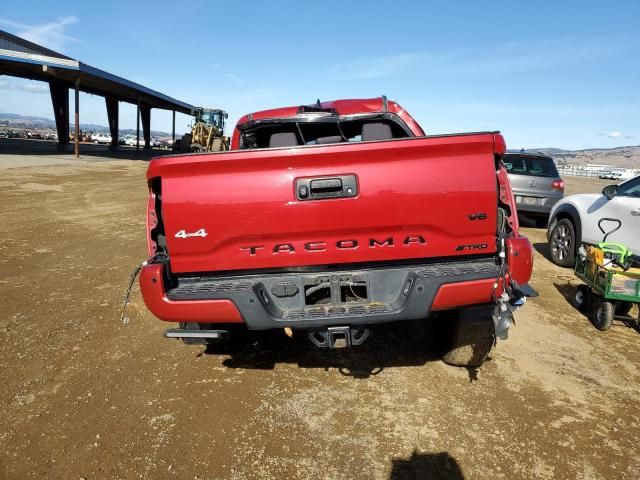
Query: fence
{"type": "Point", "coordinates": [577, 171]}
{"type": "Point", "coordinates": [581, 171]}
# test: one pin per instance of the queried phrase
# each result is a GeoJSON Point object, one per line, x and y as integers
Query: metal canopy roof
{"type": "Point", "coordinates": [21, 58]}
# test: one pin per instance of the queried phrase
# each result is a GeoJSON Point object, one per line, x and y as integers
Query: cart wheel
{"type": "Point", "coordinates": [623, 308]}
{"type": "Point", "coordinates": [582, 298]}
{"type": "Point", "coordinates": [602, 314]}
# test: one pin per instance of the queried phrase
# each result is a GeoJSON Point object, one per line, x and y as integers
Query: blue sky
{"type": "Point", "coordinates": [545, 73]}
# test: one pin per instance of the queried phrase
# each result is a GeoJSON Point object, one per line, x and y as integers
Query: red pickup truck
{"type": "Point", "coordinates": [325, 219]}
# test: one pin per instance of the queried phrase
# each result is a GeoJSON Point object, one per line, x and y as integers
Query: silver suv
{"type": "Point", "coordinates": [536, 184]}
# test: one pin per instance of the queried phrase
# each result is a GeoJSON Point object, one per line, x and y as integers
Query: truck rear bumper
{"type": "Point", "coordinates": [198, 311]}
{"type": "Point", "coordinates": [318, 299]}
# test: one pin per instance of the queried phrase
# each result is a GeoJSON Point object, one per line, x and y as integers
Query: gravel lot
{"type": "Point", "coordinates": [85, 397]}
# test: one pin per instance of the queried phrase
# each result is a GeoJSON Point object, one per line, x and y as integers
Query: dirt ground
{"type": "Point", "coordinates": [84, 396]}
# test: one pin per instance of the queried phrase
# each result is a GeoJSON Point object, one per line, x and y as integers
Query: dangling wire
{"type": "Point", "coordinates": [132, 279]}
{"type": "Point", "coordinates": [354, 293]}
{"type": "Point", "coordinates": [504, 268]}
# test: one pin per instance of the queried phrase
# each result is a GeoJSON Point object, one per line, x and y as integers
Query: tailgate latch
{"type": "Point", "coordinates": [318, 188]}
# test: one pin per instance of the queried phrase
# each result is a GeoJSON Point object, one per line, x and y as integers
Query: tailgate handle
{"type": "Point", "coordinates": [326, 186]}
{"type": "Point", "coordinates": [337, 186]}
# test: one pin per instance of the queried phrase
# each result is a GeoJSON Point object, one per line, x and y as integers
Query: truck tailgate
{"type": "Point", "coordinates": [415, 198]}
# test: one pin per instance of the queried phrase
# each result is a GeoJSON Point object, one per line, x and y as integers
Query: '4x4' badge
{"type": "Point", "coordinates": [199, 233]}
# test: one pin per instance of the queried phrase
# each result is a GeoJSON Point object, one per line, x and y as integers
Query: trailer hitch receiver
{"type": "Point", "coordinates": [339, 337]}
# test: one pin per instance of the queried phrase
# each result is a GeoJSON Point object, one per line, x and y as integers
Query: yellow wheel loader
{"type": "Point", "coordinates": [207, 133]}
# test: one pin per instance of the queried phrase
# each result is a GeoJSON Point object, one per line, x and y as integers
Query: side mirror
{"type": "Point", "coordinates": [610, 191]}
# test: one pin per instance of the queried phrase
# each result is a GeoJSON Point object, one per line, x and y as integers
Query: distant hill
{"type": "Point", "coordinates": [14, 120]}
{"type": "Point", "coordinates": [24, 121]}
{"type": "Point", "coordinates": [549, 151]}
{"type": "Point", "coordinates": [625, 157]}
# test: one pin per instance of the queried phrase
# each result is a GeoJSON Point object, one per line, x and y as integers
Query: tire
{"type": "Point", "coordinates": [562, 243]}
{"type": "Point", "coordinates": [623, 308]}
{"type": "Point", "coordinates": [217, 145]}
{"type": "Point", "coordinates": [602, 314]}
{"type": "Point", "coordinates": [582, 298]}
{"type": "Point", "coordinates": [467, 342]}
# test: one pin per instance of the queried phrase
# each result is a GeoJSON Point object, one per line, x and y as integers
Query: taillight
{"type": "Point", "coordinates": [558, 185]}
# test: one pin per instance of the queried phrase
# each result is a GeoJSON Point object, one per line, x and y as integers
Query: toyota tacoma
{"type": "Point", "coordinates": [328, 218]}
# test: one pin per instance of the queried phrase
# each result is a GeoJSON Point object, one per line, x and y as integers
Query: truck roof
{"type": "Point", "coordinates": [353, 106]}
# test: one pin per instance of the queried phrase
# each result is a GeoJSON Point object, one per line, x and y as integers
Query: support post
{"type": "Point", "coordinates": [173, 133]}
{"type": "Point", "coordinates": [77, 120]}
{"type": "Point", "coordinates": [138, 128]}
{"type": "Point", "coordinates": [60, 100]}
{"type": "Point", "coordinates": [112, 115]}
{"type": "Point", "coordinates": [145, 117]}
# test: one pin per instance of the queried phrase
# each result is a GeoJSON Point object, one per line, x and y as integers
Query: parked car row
{"type": "Point", "coordinates": [539, 193]}
{"type": "Point", "coordinates": [100, 138]}
{"type": "Point", "coordinates": [130, 140]}
{"type": "Point", "coordinates": [608, 175]}
{"type": "Point", "coordinates": [28, 134]}
{"type": "Point", "coordinates": [573, 220]}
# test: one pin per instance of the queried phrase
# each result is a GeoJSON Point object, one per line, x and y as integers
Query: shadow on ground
{"type": "Point", "coordinates": [543, 249]}
{"type": "Point", "coordinates": [566, 290]}
{"type": "Point", "coordinates": [408, 343]}
{"type": "Point", "coordinates": [426, 466]}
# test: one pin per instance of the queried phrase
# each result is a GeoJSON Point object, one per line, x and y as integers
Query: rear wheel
{"type": "Point", "coordinates": [562, 243]}
{"type": "Point", "coordinates": [581, 299]}
{"type": "Point", "coordinates": [467, 341]}
{"type": "Point", "coordinates": [602, 314]}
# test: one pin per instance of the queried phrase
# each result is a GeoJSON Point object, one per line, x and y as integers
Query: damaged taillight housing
{"type": "Point", "coordinates": [155, 229]}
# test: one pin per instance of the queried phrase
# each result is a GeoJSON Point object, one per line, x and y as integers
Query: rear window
{"type": "Point", "coordinates": [315, 132]}
{"type": "Point", "coordinates": [534, 166]}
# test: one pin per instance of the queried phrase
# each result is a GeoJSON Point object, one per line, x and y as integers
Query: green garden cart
{"type": "Point", "coordinates": [611, 279]}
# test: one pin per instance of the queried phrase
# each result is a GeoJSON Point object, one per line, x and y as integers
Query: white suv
{"type": "Point", "coordinates": [101, 138]}
{"type": "Point", "coordinates": [574, 220]}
